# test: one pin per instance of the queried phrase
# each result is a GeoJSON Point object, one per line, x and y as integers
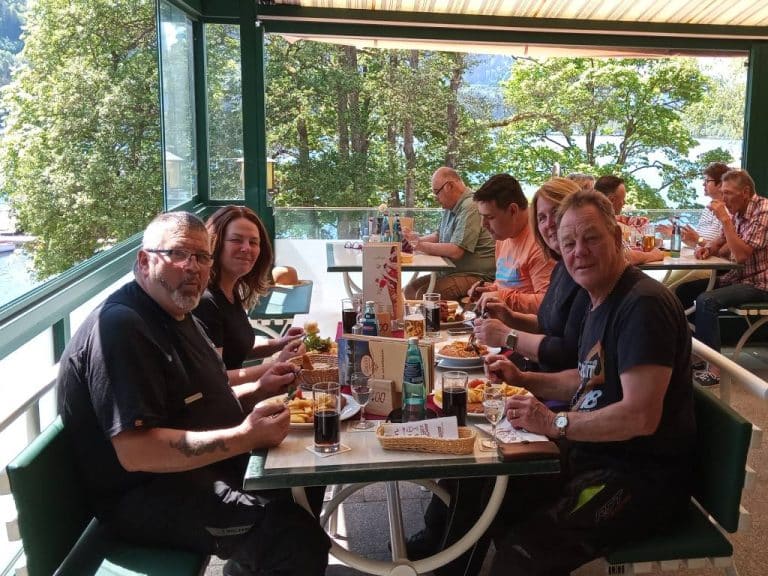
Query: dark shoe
{"type": "Point", "coordinates": [234, 568]}
{"type": "Point", "coordinates": [700, 365]}
{"type": "Point", "coordinates": [706, 378]}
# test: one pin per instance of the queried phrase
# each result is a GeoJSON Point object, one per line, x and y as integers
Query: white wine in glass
{"type": "Point", "coordinates": [493, 408]}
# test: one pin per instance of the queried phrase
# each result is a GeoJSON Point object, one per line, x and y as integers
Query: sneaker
{"type": "Point", "coordinates": [700, 365]}
{"type": "Point", "coordinates": [706, 378]}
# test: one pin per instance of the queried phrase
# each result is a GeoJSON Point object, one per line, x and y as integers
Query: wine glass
{"type": "Point", "coordinates": [493, 408]}
{"type": "Point", "coordinates": [361, 392]}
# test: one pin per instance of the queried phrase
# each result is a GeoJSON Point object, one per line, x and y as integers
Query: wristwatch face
{"type": "Point", "coordinates": [561, 422]}
{"type": "Point", "coordinates": [511, 340]}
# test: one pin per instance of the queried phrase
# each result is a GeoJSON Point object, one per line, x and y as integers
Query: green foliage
{"type": "Point", "coordinates": [565, 107]}
{"type": "Point", "coordinates": [338, 122]}
{"type": "Point", "coordinates": [81, 150]}
{"type": "Point", "coordinates": [720, 113]}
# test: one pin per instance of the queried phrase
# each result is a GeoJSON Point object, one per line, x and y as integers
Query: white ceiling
{"type": "Point", "coordinates": [711, 12]}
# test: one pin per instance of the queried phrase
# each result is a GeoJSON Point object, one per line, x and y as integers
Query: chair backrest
{"type": "Point", "coordinates": [723, 438]}
{"type": "Point", "coordinates": [50, 503]}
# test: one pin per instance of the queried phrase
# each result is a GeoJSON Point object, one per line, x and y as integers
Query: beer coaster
{"type": "Point", "coordinates": [342, 448]}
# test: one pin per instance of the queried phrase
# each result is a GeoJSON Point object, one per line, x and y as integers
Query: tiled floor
{"type": "Point", "coordinates": [363, 521]}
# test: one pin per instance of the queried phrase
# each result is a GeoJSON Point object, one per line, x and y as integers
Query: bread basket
{"type": "Point", "coordinates": [464, 444]}
{"type": "Point", "coordinates": [329, 374]}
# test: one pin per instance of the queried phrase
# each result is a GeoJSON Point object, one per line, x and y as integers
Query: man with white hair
{"type": "Point", "coordinates": [160, 438]}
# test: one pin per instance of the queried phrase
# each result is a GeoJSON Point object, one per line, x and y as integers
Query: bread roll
{"type": "Point", "coordinates": [285, 275]}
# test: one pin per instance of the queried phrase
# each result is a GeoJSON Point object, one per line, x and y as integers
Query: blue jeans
{"type": "Point", "coordinates": [709, 304]}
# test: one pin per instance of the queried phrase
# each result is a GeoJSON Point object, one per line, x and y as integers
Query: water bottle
{"type": "Point", "coordinates": [370, 324]}
{"type": "Point", "coordinates": [385, 236]}
{"type": "Point", "coordinates": [351, 363]}
{"type": "Point", "coordinates": [397, 231]}
{"type": "Point", "coordinates": [414, 390]}
{"type": "Point", "coordinates": [676, 243]}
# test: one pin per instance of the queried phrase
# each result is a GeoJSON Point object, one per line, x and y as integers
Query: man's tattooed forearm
{"type": "Point", "coordinates": [196, 448]}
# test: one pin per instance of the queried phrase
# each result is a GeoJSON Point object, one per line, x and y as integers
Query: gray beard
{"type": "Point", "coordinates": [185, 303]}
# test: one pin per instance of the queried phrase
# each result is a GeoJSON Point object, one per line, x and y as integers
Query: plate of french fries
{"type": "Point", "coordinates": [475, 389]}
{"type": "Point", "coordinates": [301, 409]}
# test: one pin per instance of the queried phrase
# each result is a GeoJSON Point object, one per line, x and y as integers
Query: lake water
{"type": "Point", "coordinates": [15, 275]}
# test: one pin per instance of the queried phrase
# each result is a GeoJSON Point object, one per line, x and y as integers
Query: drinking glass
{"type": "Point", "coordinates": [414, 320]}
{"type": "Point", "coordinates": [432, 314]}
{"type": "Point", "coordinates": [361, 392]}
{"type": "Point", "coordinates": [350, 309]}
{"type": "Point", "coordinates": [455, 395]}
{"type": "Point", "coordinates": [326, 404]}
{"type": "Point", "coordinates": [493, 408]}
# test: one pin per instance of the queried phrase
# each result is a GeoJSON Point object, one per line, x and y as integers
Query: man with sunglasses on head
{"type": "Point", "coordinates": [460, 237]}
{"type": "Point", "coordinates": [159, 436]}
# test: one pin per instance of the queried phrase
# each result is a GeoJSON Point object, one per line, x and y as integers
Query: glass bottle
{"type": "Point", "coordinates": [414, 389]}
{"type": "Point", "coordinates": [676, 243]}
{"type": "Point", "coordinates": [370, 323]}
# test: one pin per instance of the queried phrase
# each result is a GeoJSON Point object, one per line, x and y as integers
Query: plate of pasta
{"type": "Point", "coordinates": [459, 354]}
{"type": "Point", "coordinates": [301, 410]}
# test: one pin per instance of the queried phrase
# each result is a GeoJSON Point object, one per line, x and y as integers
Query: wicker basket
{"type": "Point", "coordinates": [330, 374]}
{"type": "Point", "coordinates": [464, 444]}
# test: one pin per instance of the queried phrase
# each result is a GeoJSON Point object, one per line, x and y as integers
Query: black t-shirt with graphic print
{"type": "Point", "coordinates": [640, 323]}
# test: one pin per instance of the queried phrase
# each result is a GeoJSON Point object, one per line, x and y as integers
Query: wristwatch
{"type": "Point", "coordinates": [561, 423]}
{"type": "Point", "coordinates": [511, 341]}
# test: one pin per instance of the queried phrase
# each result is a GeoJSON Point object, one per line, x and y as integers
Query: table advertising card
{"type": "Point", "coordinates": [382, 281]}
{"type": "Point", "coordinates": [383, 359]}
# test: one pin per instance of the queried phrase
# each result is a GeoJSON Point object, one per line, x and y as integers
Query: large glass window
{"type": "Point", "coordinates": [225, 112]}
{"type": "Point", "coordinates": [353, 125]}
{"type": "Point", "coordinates": [178, 102]}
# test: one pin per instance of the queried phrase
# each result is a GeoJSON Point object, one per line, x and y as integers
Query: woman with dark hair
{"type": "Point", "coordinates": [549, 337]}
{"type": "Point", "coordinates": [240, 274]}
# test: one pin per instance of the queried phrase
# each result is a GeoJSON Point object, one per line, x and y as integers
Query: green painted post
{"type": "Point", "coordinates": [755, 146]}
{"type": "Point", "coordinates": [254, 115]}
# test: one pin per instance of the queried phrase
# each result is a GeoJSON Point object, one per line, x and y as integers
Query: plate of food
{"type": "Point", "coordinates": [460, 354]}
{"type": "Point", "coordinates": [301, 409]}
{"type": "Point", "coordinates": [475, 389]}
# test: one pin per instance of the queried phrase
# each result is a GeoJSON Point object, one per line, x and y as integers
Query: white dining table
{"type": "Point", "coordinates": [346, 260]}
{"type": "Point", "coordinates": [291, 465]}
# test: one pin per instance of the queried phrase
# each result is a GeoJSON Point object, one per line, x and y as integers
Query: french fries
{"type": "Point", "coordinates": [301, 410]}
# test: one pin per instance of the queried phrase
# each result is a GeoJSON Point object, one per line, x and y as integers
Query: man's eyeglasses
{"type": "Point", "coordinates": [181, 256]}
{"type": "Point", "coordinates": [437, 192]}
{"type": "Point", "coordinates": [354, 245]}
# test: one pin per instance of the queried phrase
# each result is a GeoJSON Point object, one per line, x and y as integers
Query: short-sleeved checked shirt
{"type": "Point", "coordinates": [752, 228]}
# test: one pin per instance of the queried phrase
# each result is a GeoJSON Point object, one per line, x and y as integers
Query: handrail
{"type": "Point", "coordinates": [730, 370]}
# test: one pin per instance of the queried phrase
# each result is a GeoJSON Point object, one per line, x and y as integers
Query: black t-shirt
{"type": "Point", "coordinates": [560, 316]}
{"type": "Point", "coordinates": [227, 325]}
{"type": "Point", "coordinates": [131, 366]}
{"type": "Point", "coordinates": [640, 323]}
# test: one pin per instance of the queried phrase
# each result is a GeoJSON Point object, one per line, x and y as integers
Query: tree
{"type": "Point", "coordinates": [720, 113]}
{"type": "Point", "coordinates": [82, 141]}
{"type": "Point", "coordinates": [605, 116]}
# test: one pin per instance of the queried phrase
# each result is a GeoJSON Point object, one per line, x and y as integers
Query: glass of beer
{"type": "Point", "coordinates": [649, 239]}
{"type": "Point", "coordinates": [414, 320]}
{"type": "Point", "coordinates": [455, 395]}
{"type": "Point", "coordinates": [326, 405]}
{"type": "Point", "coordinates": [432, 314]}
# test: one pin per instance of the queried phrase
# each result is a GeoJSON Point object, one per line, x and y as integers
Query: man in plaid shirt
{"type": "Point", "coordinates": [744, 216]}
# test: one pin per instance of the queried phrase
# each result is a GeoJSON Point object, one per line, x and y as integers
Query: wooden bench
{"type": "Point", "coordinates": [58, 533]}
{"type": "Point", "coordinates": [274, 313]}
{"type": "Point", "coordinates": [723, 441]}
{"type": "Point", "coordinates": [755, 314]}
